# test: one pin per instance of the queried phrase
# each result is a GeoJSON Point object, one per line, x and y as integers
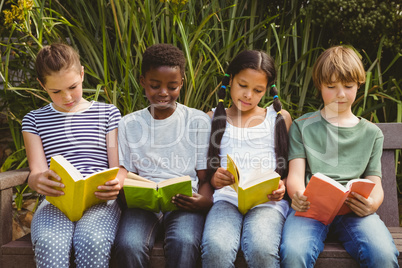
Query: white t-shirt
{"type": "Point", "coordinates": [253, 150]}
{"type": "Point", "coordinates": [163, 149]}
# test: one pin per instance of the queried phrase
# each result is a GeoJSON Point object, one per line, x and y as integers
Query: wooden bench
{"type": "Point", "coordinates": [19, 253]}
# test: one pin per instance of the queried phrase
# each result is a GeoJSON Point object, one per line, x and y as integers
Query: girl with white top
{"type": "Point", "coordinates": [257, 140]}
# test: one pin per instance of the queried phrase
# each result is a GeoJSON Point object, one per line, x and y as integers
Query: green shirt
{"type": "Point", "coordinates": [342, 153]}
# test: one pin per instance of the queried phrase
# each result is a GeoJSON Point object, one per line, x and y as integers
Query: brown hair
{"type": "Point", "coordinates": [56, 57]}
{"type": "Point", "coordinates": [341, 62]}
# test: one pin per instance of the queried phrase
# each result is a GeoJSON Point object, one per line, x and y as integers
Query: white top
{"type": "Point", "coordinates": [253, 150]}
{"type": "Point", "coordinates": [163, 149]}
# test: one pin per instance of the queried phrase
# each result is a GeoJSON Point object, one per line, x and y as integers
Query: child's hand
{"type": "Point", "coordinates": [360, 205]}
{"type": "Point", "coordinates": [196, 202]}
{"type": "Point", "coordinates": [44, 184]}
{"type": "Point", "coordinates": [299, 202]}
{"type": "Point", "coordinates": [110, 190]}
{"type": "Point", "coordinates": [222, 178]}
{"type": "Point", "coordinates": [278, 194]}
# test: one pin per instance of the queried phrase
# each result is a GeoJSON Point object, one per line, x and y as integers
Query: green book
{"type": "Point", "coordinates": [143, 193]}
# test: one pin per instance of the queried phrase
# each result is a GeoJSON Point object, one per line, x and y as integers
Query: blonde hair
{"type": "Point", "coordinates": [56, 57]}
{"type": "Point", "coordinates": [341, 63]}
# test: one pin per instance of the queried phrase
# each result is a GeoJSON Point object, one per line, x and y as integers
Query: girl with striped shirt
{"type": "Point", "coordinates": [85, 133]}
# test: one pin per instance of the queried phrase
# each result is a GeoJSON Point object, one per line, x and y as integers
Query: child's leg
{"type": "Point", "coordinates": [367, 240]}
{"type": "Point", "coordinates": [135, 238]}
{"type": "Point", "coordinates": [262, 230]}
{"type": "Point", "coordinates": [183, 232]}
{"type": "Point", "coordinates": [302, 241]}
{"type": "Point", "coordinates": [94, 235]}
{"type": "Point", "coordinates": [52, 235]}
{"type": "Point", "coordinates": [221, 238]}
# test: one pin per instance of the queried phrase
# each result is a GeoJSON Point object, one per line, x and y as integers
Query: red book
{"type": "Point", "coordinates": [327, 197]}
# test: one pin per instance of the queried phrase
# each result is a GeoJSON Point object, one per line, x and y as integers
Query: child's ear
{"type": "Point", "coordinates": [82, 73]}
{"type": "Point", "coordinates": [142, 82]}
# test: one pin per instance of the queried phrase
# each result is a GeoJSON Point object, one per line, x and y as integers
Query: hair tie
{"type": "Point", "coordinates": [279, 112]}
{"type": "Point", "coordinates": [273, 85]}
{"type": "Point", "coordinates": [222, 86]}
{"type": "Point", "coordinates": [221, 100]}
{"type": "Point", "coordinates": [276, 96]}
{"type": "Point", "coordinates": [228, 75]}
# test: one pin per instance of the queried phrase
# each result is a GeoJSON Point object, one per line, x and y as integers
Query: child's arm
{"type": "Point", "coordinates": [362, 206]}
{"type": "Point", "coordinates": [112, 187]}
{"type": "Point", "coordinates": [40, 177]}
{"type": "Point", "coordinates": [201, 201]}
{"type": "Point", "coordinates": [295, 184]}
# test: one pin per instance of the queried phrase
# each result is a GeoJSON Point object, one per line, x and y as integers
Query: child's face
{"type": "Point", "coordinates": [162, 87]}
{"type": "Point", "coordinates": [339, 96]}
{"type": "Point", "coordinates": [65, 89]}
{"type": "Point", "coordinates": [247, 88]}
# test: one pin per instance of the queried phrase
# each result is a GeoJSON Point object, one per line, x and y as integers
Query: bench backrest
{"type": "Point", "coordinates": [388, 210]}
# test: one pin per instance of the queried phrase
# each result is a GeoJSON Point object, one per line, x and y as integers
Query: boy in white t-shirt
{"type": "Point", "coordinates": [163, 141]}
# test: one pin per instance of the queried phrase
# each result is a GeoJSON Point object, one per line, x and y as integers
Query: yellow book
{"type": "Point", "coordinates": [78, 191]}
{"type": "Point", "coordinates": [146, 194]}
{"type": "Point", "coordinates": [255, 190]}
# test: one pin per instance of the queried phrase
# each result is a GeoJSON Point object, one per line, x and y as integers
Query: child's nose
{"type": "Point", "coordinates": [341, 92]}
{"type": "Point", "coordinates": [247, 93]}
{"type": "Point", "coordinates": [66, 96]}
{"type": "Point", "coordinates": [163, 91]}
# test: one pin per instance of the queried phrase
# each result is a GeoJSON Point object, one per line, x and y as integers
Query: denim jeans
{"type": "Point", "coordinates": [258, 233]}
{"type": "Point", "coordinates": [138, 230]}
{"type": "Point", "coordinates": [366, 239]}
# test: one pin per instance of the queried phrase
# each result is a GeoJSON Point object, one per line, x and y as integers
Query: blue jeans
{"type": "Point", "coordinates": [138, 230]}
{"type": "Point", "coordinates": [366, 239]}
{"type": "Point", "coordinates": [258, 233]}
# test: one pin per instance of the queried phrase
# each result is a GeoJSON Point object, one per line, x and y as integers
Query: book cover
{"type": "Point", "coordinates": [327, 197]}
{"type": "Point", "coordinates": [146, 194]}
{"type": "Point", "coordinates": [78, 191]}
{"type": "Point", "coordinates": [256, 190]}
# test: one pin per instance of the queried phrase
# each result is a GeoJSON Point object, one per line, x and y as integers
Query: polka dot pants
{"type": "Point", "coordinates": [54, 236]}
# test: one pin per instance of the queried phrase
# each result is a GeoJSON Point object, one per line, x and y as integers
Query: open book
{"type": "Point", "coordinates": [255, 190]}
{"type": "Point", "coordinates": [327, 197]}
{"type": "Point", "coordinates": [146, 194]}
{"type": "Point", "coordinates": [78, 191]}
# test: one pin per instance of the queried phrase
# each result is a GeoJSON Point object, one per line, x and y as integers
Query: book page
{"type": "Point", "coordinates": [258, 178]}
{"type": "Point", "coordinates": [331, 181]}
{"type": "Point", "coordinates": [173, 181]}
{"type": "Point", "coordinates": [143, 184]}
{"type": "Point", "coordinates": [351, 182]}
{"type": "Point", "coordinates": [68, 167]}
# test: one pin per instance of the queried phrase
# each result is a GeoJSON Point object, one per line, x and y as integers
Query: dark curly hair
{"type": "Point", "coordinates": [163, 55]}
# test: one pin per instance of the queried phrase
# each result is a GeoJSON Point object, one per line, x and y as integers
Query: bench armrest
{"type": "Point", "coordinates": [8, 180]}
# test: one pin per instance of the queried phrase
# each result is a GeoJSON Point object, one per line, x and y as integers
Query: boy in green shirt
{"type": "Point", "coordinates": [335, 142]}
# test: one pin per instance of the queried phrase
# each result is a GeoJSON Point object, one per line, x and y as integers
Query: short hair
{"type": "Point", "coordinates": [163, 55]}
{"type": "Point", "coordinates": [341, 62]}
{"type": "Point", "coordinates": [56, 57]}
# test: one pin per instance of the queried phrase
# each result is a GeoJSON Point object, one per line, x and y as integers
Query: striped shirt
{"type": "Point", "coordinates": [80, 137]}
